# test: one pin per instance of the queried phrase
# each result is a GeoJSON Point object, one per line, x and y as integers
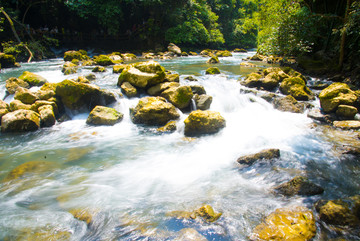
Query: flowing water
{"type": "Point", "coordinates": [131, 177]}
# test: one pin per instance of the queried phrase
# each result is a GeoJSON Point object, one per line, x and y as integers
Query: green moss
{"type": "Point", "coordinates": [70, 55]}
{"type": "Point", "coordinates": [103, 60]}
{"type": "Point", "coordinates": [213, 70]}
{"type": "Point", "coordinates": [7, 60]}
{"type": "Point", "coordinates": [99, 69]}
{"type": "Point", "coordinates": [32, 79]}
{"type": "Point", "coordinates": [224, 53]}
{"type": "Point", "coordinates": [296, 87]}
{"type": "Point", "coordinates": [213, 60]}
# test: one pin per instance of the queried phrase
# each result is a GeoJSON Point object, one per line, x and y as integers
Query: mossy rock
{"type": "Point", "coordinates": [20, 121]}
{"type": "Point", "coordinates": [72, 54]}
{"type": "Point", "coordinates": [346, 111]}
{"type": "Point", "coordinates": [89, 62]}
{"type": "Point", "coordinates": [153, 111]}
{"type": "Point", "coordinates": [156, 90]}
{"type": "Point", "coordinates": [13, 83]}
{"type": "Point", "coordinates": [237, 50]}
{"type": "Point", "coordinates": [223, 53]}
{"type": "Point", "coordinates": [288, 104]}
{"type": "Point", "coordinates": [18, 105]}
{"type": "Point", "coordinates": [347, 125]}
{"type": "Point", "coordinates": [128, 56]}
{"type": "Point", "coordinates": [4, 109]}
{"type": "Point", "coordinates": [337, 212]}
{"type": "Point", "coordinates": [252, 80]}
{"type": "Point", "coordinates": [198, 89]}
{"type": "Point", "coordinates": [202, 102]}
{"type": "Point", "coordinates": [271, 81]}
{"type": "Point", "coordinates": [174, 49]}
{"type": "Point", "coordinates": [7, 60]}
{"type": "Point", "coordinates": [25, 96]}
{"type": "Point", "coordinates": [47, 116]}
{"type": "Point", "coordinates": [193, 53]}
{"type": "Point", "coordinates": [180, 97]}
{"type": "Point", "coordinates": [116, 58]}
{"type": "Point", "coordinates": [184, 54]}
{"type": "Point", "coordinates": [212, 71]}
{"type": "Point", "coordinates": [28, 169]}
{"type": "Point", "coordinates": [172, 78]}
{"type": "Point", "coordinates": [117, 69]}
{"type": "Point", "coordinates": [287, 224]}
{"type": "Point", "coordinates": [128, 89]}
{"type": "Point", "coordinates": [191, 78]}
{"type": "Point", "coordinates": [299, 186]}
{"type": "Point", "coordinates": [267, 154]}
{"type": "Point", "coordinates": [32, 79]}
{"type": "Point", "coordinates": [203, 122]}
{"type": "Point", "coordinates": [75, 61]}
{"type": "Point", "coordinates": [168, 128]}
{"type": "Point", "coordinates": [296, 87]}
{"type": "Point", "coordinates": [213, 60]}
{"type": "Point", "coordinates": [83, 214]}
{"type": "Point", "coordinates": [143, 74]}
{"type": "Point", "coordinates": [207, 213]}
{"type": "Point", "coordinates": [336, 94]}
{"type": "Point", "coordinates": [103, 60]}
{"type": "Point", "coordinates": [98, 69]}
{"type": "Point", "coordinates": [36, 106]}
{"type": "Point", "coordinates": [45, 94]}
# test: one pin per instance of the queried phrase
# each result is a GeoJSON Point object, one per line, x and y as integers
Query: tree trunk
{"type": "Point", "coordinates": [343, 36]}
{"type": "Point", "coordinates": [15, 34]}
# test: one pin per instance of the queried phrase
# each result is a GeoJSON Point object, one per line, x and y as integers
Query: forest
{"type": "Point", "coordinates": [323, 35]}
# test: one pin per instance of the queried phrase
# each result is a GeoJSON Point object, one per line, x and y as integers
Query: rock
{"type": "Point", "coordinates": [336, 94]}
{"type": "Point", "coordinates": [267, 154]}
{"type": "Point", "coordinates": [298, 186]}
{"type": "Point", "coordinates": [36, 106]}
{"type": "Point", "coordinates": [156, 90]}
{"type": "Point", "coordinates": [347, 125]}
{"type": "Point", "coordinates": [81, 79]}
{"type": "Point", "coordinates": [90, 76]}
{"type": "Point", "coordinates": [32, 79]}
{"type": "Point", "coordinates": [117, 69]}
{"type": "Point", "coordinates": [316, 114]}
{"type": "Point", "coordinates": [271, 81]}
{"type": "Point", "coordinates": [25, 96]}
{"type": "Point", "coordinates": [297, 223]}
{"type": "Point", "coordinates": [180, 96]}
{"type": "Point", "coordinates": [207, 213]}
{"type": "Point", "coordinates": [45, 94]}
{"type": "Point", "coordinates": [143, 74]}
{"type": "Point", "coordinates": [20, 120]}
{"type": "Point", "coordinates": [75, 61]}
{"type": "Point", "coordinates": [296, 87]}
{"type": "Point", "coordinates": [128, 89]}
{"type": "Point", "coordinates": [153, 111]}
{"type": "Point", "coordinates": [189, 234]}
{"type": "Point", "coordinates": [174, 49]}
{"type": "Point", "coordinates": [190, 78]}
{"type": "Point", "coordinates": [4, 109]}
{"type": "Point", "coordinates": [7, 61]}
{"type": "Point", "coordinates": [18, 105]}
{"type": "Point", "coordinates": [13, 83]}
{"type": "Point", "coordinates": [103, 60]}
{"type": "Point", "coordinates": [168, 128]}
{"type": "Point", "coordinates": [98, 69]}
{"type": "Point", "coordinates": [223, 53]}
{"type": "Point", "coordinates": [198, 89]}
{"type": "Point", "coordinates": [193, 53]}
{"type": "Point", "coordinates": [83, 214]}
{"type": "Point", "coordinates": [184, 54]}
{"type": "Point", "coordinates": [172, 78]}
{"type": "Point", "coordinates": [203, 102]}
{"type": "Point", "coordinates": [213, 60]}
{"type": "Point", "coordinates": [28, 168]}
{"type": "Point", "coordinates": [203, 122]}
{"type": "Point", "coordinates": [247, 64]}
{"type": "Point", "coordinates": [47, 116]}
{"type": "Point", "coordinates": [337, 212]}
{"type": "Point", "coordinates": [212, 70]}
{"type": "Point", "coordinates": [346, 111]}
{"type": "Point", "coordinates": [206, 52]}
{"type": "Point", "coordinates": [237, 50]}
{"type": "Point", "coordinates": [252, 80]}
{"type": "Point", "coordinates": [116, 58]}
{"type": "Point", "coordinates": [102, 115]}
{"type": "Point", "coordinates": [128, 56]}
{"type": "Point", "coordinates": [288, 104]}
{"type": "Point", "coordinates": [72, 54]}
{"type": "Point", "coordinates": [43, 233]}
{"type": "Point", "coordinates": [89, 62]}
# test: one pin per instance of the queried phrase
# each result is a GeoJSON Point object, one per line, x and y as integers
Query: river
{"type": "Point", "coordinates": [132, 177]}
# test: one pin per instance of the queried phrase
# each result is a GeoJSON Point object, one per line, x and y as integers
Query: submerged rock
{"type": "Point", "coordinates": [13, 83]}
{"type": "Point", "coordinates": [20, 120]}
{"type": "Point", "coordinates": [83, 214]}
{"type": "Point", "coordinates": [153, 111]}
{"type": "Point", "coordinates": [298, 186]}
{"type": "Point", "coordinates": [286, 224]}
{"type": "Point", "coordinates": [189, 234]}
{"type": "Point", "coordinates": [336, 94]}
{"type": "Point", "coordinates": [29, 168]}
{"type": "Point", "coordinates": [203, 122]}
{"type": "Point", "coordinates": [32, 79]}
{"type": "Point", "coordinates": [347, 125]}
{"type": "Point", "coordinates": [296, 87]}
{"type": "Point", "coordinates": [102, 115]}
{"type": "Point", "coordinates": [267, 154]}
{"type": "Point", "coordinates": [206, 213]}
{"type": "Point", "coordinates": [212, 71]}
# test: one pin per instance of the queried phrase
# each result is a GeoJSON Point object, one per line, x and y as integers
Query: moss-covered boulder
{"type": "Point", "coordinates": [47, 116]}
{"type": "Point", "coordinates": [7, 60]}
{"type": "Point", "coordinates": [18, 105]}
{"type": "Point", "coordinates": [346, 111]}
{"type": "Point", "coordinates": [298, 186]}
{"type": "Point", "coordinates": [128, 89]}
{"type": "Point", "coordinates": [4, 109]}
{"type": "Point", "coordinates": [20, 120]}
{"type": "Point", "coordinates": [174, 49]}
{"type": "Point", "coordinates": [288, 104]}
{"type": "Point", "coordinates": [336, 94]}
{"type": "Point", "coordinates": [36, 106]}
{"type": "Point", "coordinates": [98, 69]}
{"type": "Point", "coordinates": [143, 74]}
{"type": "Point", "coordinates": [223, 53]}
{"type": "Point", "coordinates": [103, 60]}
{"type": "Point", "coordinates": [190, 78]}
{"type": "Point", "coordinates": [206, 213]}
{"type": "Point", "coordinates": [116, 58]}
{"type": "Point", "coordinates": [248, 65]}
{"type": "Point", "coordinates": [198, 89]}
{"type": "Point", "coordinates": [128, 56]}
{"type": "Point", "coordinates": [202, 102]}
{"type": "Point", "coordinates": [102, 115]}
{"type": "Point", "coordinates": [296, 87]}
{"type": "Point", "coordinates": [172, 78]}
{"type": "Point", "coordinates": [287, 224]}
{"type": "Point", "coordinates": [213, 60]}
{"type": "Point", "coordinates": [117, 69]}
{"type": "Point", "coordinates": [25, 96]}
{"type": "Point", "coordinates": [238, 50]}
{"type": "Point", "coordinates": [212, 71]}
{"type": "Point", "coordinates": [156, 90]}
{"type": "Point", "coordinates": [72, 54]}
{"type": "Point", "coordinates": [252, 80]}
{"type": "Point", "coordinates": [192, 53]}
{"type": "Point", "coordinates": [168, 128]}
{"type": "Point", "coordinates": [153, 111]}
{"type": "Point", "coordinates": [13, 83]}
{"type": "Point", "coordinates": [180, 96]}
{"type": "Point", "coordinates": [32, 79]}
{"type": "Point", "coordinates": [267, 154]}
{"type": "Point", "coordinates": [347, 125]}
{"type": "Point", "coordinates": [203, 122]}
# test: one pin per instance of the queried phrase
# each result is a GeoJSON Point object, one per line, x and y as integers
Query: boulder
{"type": "Point", "coordinates": [153, 111]}
{"type": "Point", "coordinates": [128, 89]}
{"type": "Point", "coordinates": [184, 54]}
{"type": "Point", "coordinates": [29, 168]}
{"type": "Point", "coordinates": [180, 96]}
{"type": "Point", "coordinates": [36, 106]}
{"type": "Point", "coordinates": [88, 62]}
{"type": "Point", "coordinates": [156, 90]}
{"type": "Point", "coordinates": [98, 69]}
{"type": "Point", "coordinates": [296, 87]}
{"type": "Point", "coordinates": [102, 115]}
{"type": "Point", "coordinates": [174, 49]}
{"type": "Point", "coordinates": [346, 111]}
{"type": "Point", "coordinates": [117, 69]}
{"type": "Point", "coordinates": [237, 50]}
{"type": "Point", "coordinates": [336, 94]}
{"type": "Point", "coordinates": [296, 223]}
{"type": "Point", "coordinates": [116, 58]}
{"type": "Point", "coordinates": [212, 70]}
{"type": "Point", "coordinates": [32, 79]}
{"type": "Point", "coordinates": [143, 74]}
{"type": "Point", "coordinates": [7, 61]}
{"type": "Point", "coordinates": [190, 78]}
{"type": "Point", "coordinates": [198, 89]}
{"type": "Point", "coordinates": [298, 186]}
{"type": "Point", "coordinates": [90, 76]}
{"type": "Point", "coordinates": [18, 105]}
{"type": "Point", "coordinates": [45, 94]}
{"type": "Point", "coordinates": [202, 102]}
{"type": "Point", "coordinates": [267, 154]}
{"type": "Point", "coordinates": [223, 53]}
{"type": "Point", "coordinates": [193, 53]}
{"type": "Point", "coordinates": [13, 83]}
{"type": "Point", "coordinates": [288, 104]}
{"type": "Point", "coordinates": [72, 54]}
{"type": "Point", "coordinates": [81, 79]}
{"type": "Point", "coordinates": [206, 52]}
{"type": "Point", "coordinates": [47, 116]}
{"type": "Point", "coordinates": [271, 81]}
{"type": "Point", "coordinates": [128, 56]}
{"type": "Point", "coordinates": [316, 114]}
{"type": "Point", "coordinates": [207, 213]}
{"type": "Point", "coordinates": [252, 80]}
{"type": "Point", "coordinates": [347, 125]}
{"type": "Point", "coordinates": [168, 128]}
{"type": "Point", "coordinates": [20, 120]}
{"type": "Point", "coordinates": [172, 78]}
{"type": "Point", "coordinates": [213, 60]}
{"type": "Point", "coordinates": [4, 109]}
{"type": "Point", "coordinates": [25, 96]}
{"type": "Point", "coordinates": [103, 60]}
{"type": "Point", "coordinates": [203, 122]}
